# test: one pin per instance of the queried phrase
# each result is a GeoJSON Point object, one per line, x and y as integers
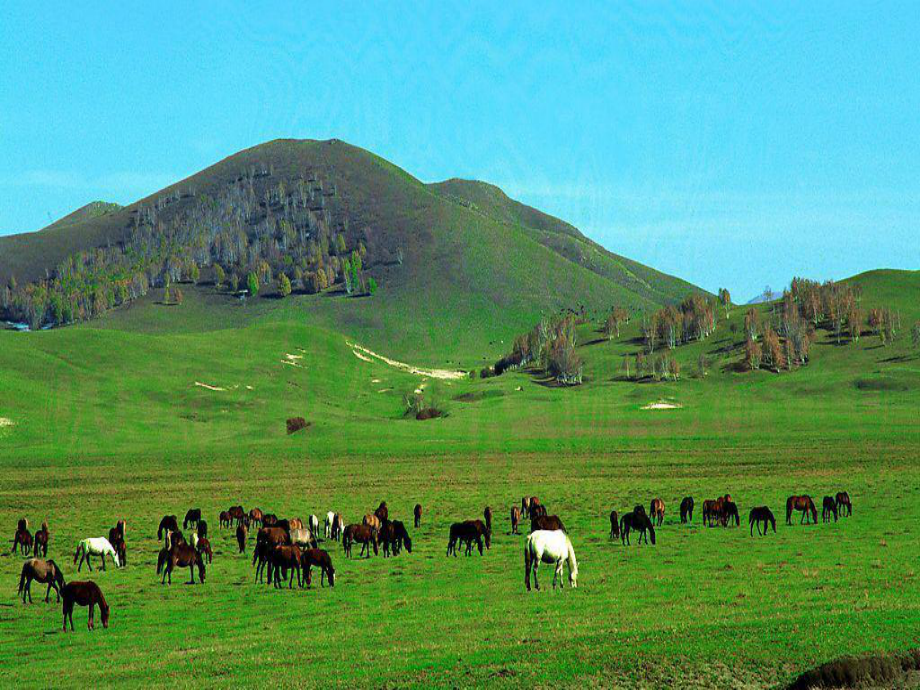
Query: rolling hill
{"type": "Point", "coordinates": [458, 263]}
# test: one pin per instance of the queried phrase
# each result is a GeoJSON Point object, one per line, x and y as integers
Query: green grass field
{"type": "Point", "coordinates": [107, 423]}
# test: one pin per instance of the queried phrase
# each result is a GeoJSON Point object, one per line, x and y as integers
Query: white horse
{"type": "Point", "coordinates": [303, 537]}
{"type": "Point", "coordinates": [549, 546]}
{"type": "Point", "coordinates": [314, 524]}
{"type": "Point", "coordinates": [98, 546]}
{"type": "Point", "coordinates": [327, 526]}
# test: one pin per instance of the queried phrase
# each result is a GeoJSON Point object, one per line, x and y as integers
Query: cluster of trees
{"type": "Point", "coordinates": [617, 317]}
{"type": "Point", "coordinates": [549, 346]}
{"type": "Point", "coordinates": [664, 367]}
{"type": "Point", "coordinates": [692, 319]}
{"type": "Point", "coordinates": [255, 231]}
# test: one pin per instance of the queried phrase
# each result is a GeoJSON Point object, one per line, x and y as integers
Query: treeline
{"type": "Point", "coordinates": [257, 231]}
{"type": "Point", "coordinates": [692, 319]}
{"type": "Point", "coordinates": [548, 346]}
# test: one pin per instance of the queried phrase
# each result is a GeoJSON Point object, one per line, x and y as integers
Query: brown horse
{"type": "Point", "coordinates": [183, 555]}
{"type": "Point", "coordinates": [117, 540]}
{"type": "Point", "coordinates": [656, 511]}
{"type": "Point", "coordinates": [282, 559]}
{"type": "Point", "coordinates": [828, 509]}
{"type": "Point", "coordinates": [45, 572]}
{"type": "Point", "coordinates": [614, 525]}
{"type": "Point", "coordinates": [686, 510]}
{"type": "Point", "coordinates": [322, 560]}
{"type": "Point", "coordinates": [418, 515]}
{"type": "Point", "coordinates": [295, 523]}
{"type": "Point", "coordinates": [394, 537]}
{"type": "Point", "coordinates": [525, 506]}
{"type": "Point", "coordinates": [236, 514]}
{"type": "Point", "coordinates": [466, 533]}
{"type": "Point", "coordinates": [255, 516]}
{"type": "Point", "coordinates": [338, 526]}
{"type": "Point", "coordinates": [382, 512]}
{"type": "Point", "coordinates": [805, 505]}
{"type": "Point", "coordinates": [844, 506]}
{"type": "Point", "coordinates": [273, 536]}
{"type": "Point", "coordinates": [84, 594]}
{"type": "Point", "coordinates": [761, 515]}
{"type": "Point", "coordinates": [515, 519]}
{"type": "Point", "coordinates": [42, 537]}
{"type": "Point", "coordinates": [23, 537]}
{"type": "Point", "coordinates": [372, 521]}
{"type": "Point", "coordinates": [487, 514]}
{"type": "Point", "coordinates": [711, 512]}
{"type": "Point", "coordinates": [546, 522]}
{"type": "Point", "coordinates": [364, 535]}
{"type": "Point", "coordinates": [536, 508]}
{"type": "Point", "coordinates": [224, 519]}
{"type": "Point", "coordinates": [241, 533]}
{"type": "Point", "coordinates": [204, 549]}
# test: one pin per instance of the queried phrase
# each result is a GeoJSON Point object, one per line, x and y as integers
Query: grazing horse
{"type": "Point", "coordinates": [273, 536]}
{"type": "Point", "coordinates": [762, 516]}
{"type": "Point", "coordinates": [204, 549]}
{"type": "Point", "coordinates": [42, 537]}
{"type": "Point", "coordinates": [394, 537]}
{"type": "Point", "coordinates": [844, 507]}
{"type": "Point", "coordinates": [468, 532]}
{"type": "Point", "coordinates": [202, 528]}
{"type": "Point", "coordinates": [546, 522]}
{"type": "Point", "coordinates": [338, 526]}
{"type": "Point", "coordinates": [314, 524]}
{"type": "Point", "coordinates": [551, 547]}
{"type": "Point", "coordinates": [373, 522]}
{"type": "Point", "coordinates": [382, 512]}
{"type": "Point", "coordinates": [639, 522]}
{"type": "Point", "coordinates": [241, 533]}
{"type": "Point", "coordinates": [255, 516]}
{"type": "Point", "coordinates": [364, 535]}
{"type": "Point", "coordinates": [487, 514]}
{"type": "Point", "coordinates": [121, 548]}
{"type": "Point", "coordinates": [730, 513]}
{"type": "Point", "coordinates": [191, 518]}
{"type": "Point", "coordinates": [828, 509]}
{"type": "Point", "coordinates": [84, 594]}
{"type": "Point", "coordinates": [805, 505]}
{"type": "Point", "coordinates": [322, 560]}
{"type": "Point", "coordinates": [224, 519]}
{"type": "Point", "coordinates": [686, 510]}
{"type": "Point", "coordinates": [282, 559]}
{"type": "Point", "coordinates": [656, 510]}
{"type": "Point", "coordinates": [269, 519]}
{"type": "Point", "coordinates": [237, 514]}
{"type": "Point", "coordinates": [183, 555]}
{"type": "Point", "coordinates": [167, 524]}
{"type": "Point", "coordinates": [45, 572]}
{"type": "Point", "coordinates": [327, 525]}
{"type": "Point", "coordinates": [98, 546]}
{"type": "Point", "coordinates": [417, 512]}
{"type": "Point", "coordinates": [303, 537]}
{"type": "Point", "coordinates": [515, 519]}
{"type": "Point", "coordinates": [295, 523]}
{"type": "Point", "coordinates": [614, 525]}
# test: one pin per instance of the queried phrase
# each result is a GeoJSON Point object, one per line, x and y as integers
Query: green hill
{"type": "Point", "coordinates": [458, 263]}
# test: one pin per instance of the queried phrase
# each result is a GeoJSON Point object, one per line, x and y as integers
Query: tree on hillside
{"type": "Point", "coordinates": [284, 285]}
{"type": "Point", "coordinates": [625, 367]}
{"type": "Point", "coordinates": [219, 276]}
{"type": "Point", "coordinates": [166, 290]}
{"type": "Point", "coordinates": [725, 299]}
{"type": "Point", "coordinates": [234, 282]}
{"type": "Point", "coordinates": [752, 354]}
{"type": "Point", "coordinates": [617, 316]}
{"type": "Point", "coordinates": [252, 282]}
{"type": "Point", "coordinates": [194, 273]}
{"type": "Point", "coordinates": [752, 323]}
{"type": "Point", "coordinates": [177, 295]}
{"type": "Point", "coordinates": [772, 350]}
{"type": "Point", "coordinates": [854, 322]}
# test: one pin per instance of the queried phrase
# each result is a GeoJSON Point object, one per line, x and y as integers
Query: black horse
{"type": "Point", "coordinates": [192, 517]}
{"type": "Point", "coordinates": [730, 513]}
{"type": "Point", "coordinates": [167, 524]}
{"type": "Point", "coordinates": [394, 537]}
{"type": "Point", "coordinates": [640, 523]}
{"type": "Point", "coordinates": [828, 508]}
{"type": "Point", "coordinates": [762, 515]}
{"type": "Point", "coordinates": [686, 510]}
{"type": "Point", "coordinates": [467, 532]}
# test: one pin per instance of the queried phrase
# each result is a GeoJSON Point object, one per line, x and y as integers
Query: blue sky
{"type": "Point", "coordinates": [730, 144]}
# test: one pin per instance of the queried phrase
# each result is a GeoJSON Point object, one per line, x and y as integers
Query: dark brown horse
{"type": "Point", "coordinates": [84, 594]}
{"type": "Point", "coordinates": [547, 522]}
{"type": "Point", "coordinates": [638, 522]}
{"type": "Point", "coordinates": [269, 519]}
{"type": "Point", "coordinates": [284, 558]}
{"type": "Point", "coordinates": [241, 533]}
{"type": "Point", "coordinates": [803, 504]}
{"type": "Point", "coordinates": [224, 519]}
{"type": "Point", "coordinates": [192, 517]}
{"type": "Point", "coordinates": [828, 509]}
{"type": "Point", "coordinates": [762, 515]}
{"type": "Point", "coordinates": [204, 549]}
{"type": "Point", "coordinates": [22, 539]}
{"type": "Point", "coordinates": [466, 533]}
{"type": "Point", "coordinates": [184, 556]}
{"type": "Point", "coordinates": [322, 560]}
{"type": "Point", "coordinates": [418, 515]}
{"type": "Point", "coordinates": [42, 537]}
{"type": "Point", "coordinates": [487, 514]}
{"type": "Point", "coordinates": [382, 512]}
{"type": "Point", "coordinates": [45, 572]}
{"type": "Point", "coordinates": [167, 524]}
{"type": "Point", "coordinates": [117, 540]}
{"type": "Point", "coordinates": [686, 510]}
{"type": "Point", "coordinates": [255, 516]}
{"type": "Point", "coordinates": [712, 511]}
{"type": "Point", "coordinates": [364, 535]}
{"type": "Point", "coordinates": [237, 514]}
{"type": "Point", "coordinates": [515, 519]}
{"type": "Point", "coordinates": [614, 525]}
{"type": "Point", "coordinates": [338, 526]}
{"type": "Point", "coordinates": [537, 509]}
{"type": "Point", "coordinates": [844, 507]}
{"type": "Point", "coordinates": [730, 512]}
{"type": "Point", "coordinates": [656, 511]}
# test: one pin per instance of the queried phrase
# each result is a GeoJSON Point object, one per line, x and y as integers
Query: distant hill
{"type": "Point", "coordinates": [766, 296]}
{"type": "Point", "coordinates": [453, 256]}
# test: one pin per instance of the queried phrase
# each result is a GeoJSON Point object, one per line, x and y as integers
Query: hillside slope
{"type": "Point", "coordinates": [453, 260]}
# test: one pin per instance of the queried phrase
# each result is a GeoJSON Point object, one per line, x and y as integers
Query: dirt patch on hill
{"type": "Point", "coordinates": [663, 405]}
{"type": "Point", "coordinates": [209, 387]}
{"type": "Point", "coordinates": [5, 422]}
{"type": "Point", "coordinates": [366, 355]}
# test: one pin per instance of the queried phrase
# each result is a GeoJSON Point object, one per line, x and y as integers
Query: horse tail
{"type": "Point", "coordinates": [22, 577]}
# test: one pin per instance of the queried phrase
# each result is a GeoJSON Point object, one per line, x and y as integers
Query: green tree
{"type": "Point", "coordinates": [284, 285]}
{"type": "Point", "coordinates": [234, 282]}
{"type": "Point", "coordinates": [194, 273]}
{"type": "Point", "coordinates": [219, 276]}
{"type": "Point", "coordinates": [371, 286]}
{"type": "Point", "coordinates": [178, 295]}
{"type": "Point", "coordinates": [252, 282]}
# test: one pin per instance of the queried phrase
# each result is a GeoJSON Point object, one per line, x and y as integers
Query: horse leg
{"type": "Point", "coordinates": [191, 573]}
{"type": "Point", "coordinates": [89, 621]}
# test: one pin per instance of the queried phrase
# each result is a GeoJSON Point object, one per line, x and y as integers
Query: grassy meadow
{"type": "Point", "coordinates": [107, 422]}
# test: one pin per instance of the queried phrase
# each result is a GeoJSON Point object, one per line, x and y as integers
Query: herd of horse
{"type": "Point", "coordinates": [288, 548]}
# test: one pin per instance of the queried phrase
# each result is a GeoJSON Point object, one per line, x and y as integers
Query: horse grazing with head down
{"type": "Point", "coordinates": [844, 507]}
{"type": "Point", "coordinates": [45, 572]}
{"type": "Point", "coordinates": [322, 560]}
{"type": "Point", "coordinates": [638, 522]}
{"type": "Point", "coordinates": [95, 546]}
{"type": "Point", "coordinates": [84, 594]}
{"type": "Point", "coordinates": [546, 522]}
{"type": "Point", "coordinates": [236, 514]}
{"type": "Point", "coordinates": [364, 535]}
{"type": "Point", "coordinates": [761, 516]}
{"type": "Point", "coordinates": [394, 536]}
{"type": "Point", "coordinates": [803, 504]}
{"type": "Point", "coordinates": [686, 510]}
{"type": "Point", "coordinates": [828, 509]}
{"type": "Point", "coordinates": [282, 559]}
{"type": "Point", "coordinates": [730, 512]}
{"type": "Point", "coordinates": [466, 533]}
{"type": "Point", "coordinates": [417, 513]}
{"type": "Point", "coordinates": [224, 519]}
{"type": "Point", "coordinates": [656, 511]}
{"type": "Point", "coordinates": [192, 516]}
{"type": "Point", "coordinates": [614, 525]}
{"type": "Point", "coordinates": [551, 547]}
